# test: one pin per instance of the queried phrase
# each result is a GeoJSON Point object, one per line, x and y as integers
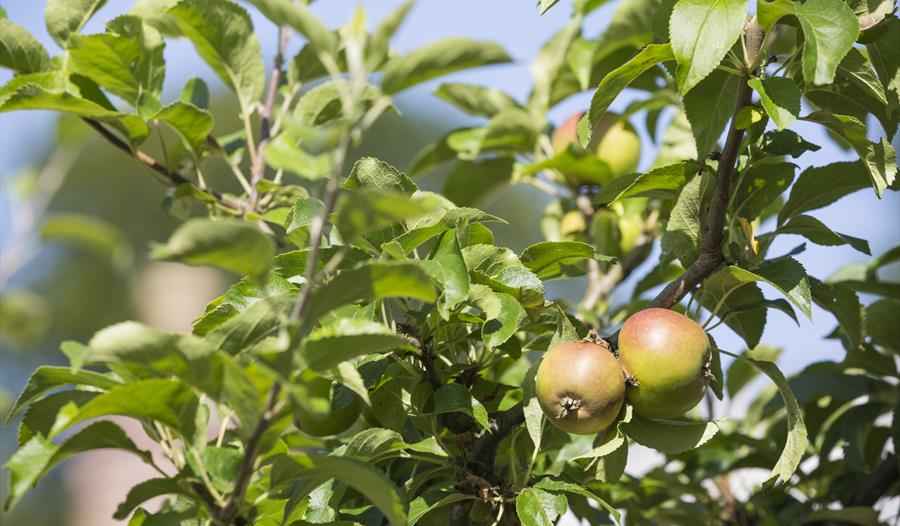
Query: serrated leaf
{"type": "Point", "coordinates": [66, 17]}
{"type": "Point", "coordinates": [456, 398]}
{"type": "Point", "coordinates": [299, 17]}
{"type": "Point", "coordinates": [682, 234]}
{"type": "Point", "coordinates": [364, 211]}
{"type": "Point", "coordinates": [146, 490]}
{"type": "Point", "coordinates": [322, 104]}
{"type": "Point", "coordinates": [759, 186]}
{"type": "Point", "coordinates": [617, 80]}
{"type": "Point", "coordinates": [669, 436]}
{"type": "Point", "coordinates": [479, 101]}
{"type": "Point", "coordinates": [38, 456]}
{"type": "Point", "coordinates": [19, 50]}
{"type": "Point", "coordinates": [881, 323]}
{"type": "Point", "coordinates": [369, 282]}
{"type": "Point", "coordinates": [844, 304]}
{"type": "Point", "coordinates": [369, 481]}
{"type": "Point", "coordinates": [702, 32]}
{"type": "Point", "coordinates": [780, 97]}
{"type": "Point", "coordinates": [708, 108]}
{"type": "Point", "coordinates": [559, 259]}
{"type": "Point", "coordinates": [744, 310]}
{"type": "Point", "coordinates": [741, 372]}
{"type": "Point", "coordinates": [501, 311]}
{"type": "Point", "coordinates": [549, 61]}
{"type": "Point", "coordinates": [223, 35]}
{"type": "Point", "coordinates": [378, 46]}
{"type": "Point", "coordinates": [796, 442]}
{"type": "Point", "coordinates": [816, 231]}
{"type": "Point", "coordinates": [370, 172]}
{"type": "Point", "coordinates": [190, 122]}
{"type": "Point", "coordinates": [659, 181]}
{"type": "Point", "coordinates": [448, 255]}
{"type": "Point", "coordinates": [45, 378]}
{"type": "Point", "coordinates": [829, 30]}
{"type": "Point", "coordinates": [437, 59]}
{"type": "Point", "coordinates": [430, 501]}
{"type": "Point", "coordinates": [879, 158]}
{"type": "Point", "coordinates": [787, 275]}
{"type": "Point", "coordinates": [227, 244]}
{"type": "Point", "coordinates": [535, 507]}
{"type": "Point", "coordinates": [501, 270]}
{"type": "Point", "coordinates": [348, 338]}
{"type": "Point", "coordinates": [820, 186]}
{"type": "Point", "coordinates": [568, 487]}
{"type": "Point", "coordinates": [472, 181]}
{"type": "Point", "coordinates": [786, 142]}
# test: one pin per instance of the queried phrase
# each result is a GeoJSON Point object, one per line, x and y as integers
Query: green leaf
{"type": "Point", "coordinates": [471, 181]}
{"type": "Point", "coordinates": [502, 314]}
{"type": "Point", "coordinates": [190, 122]}
{"type": "Point", "coordinates": [238, 298]}
{"type": "Point", "coordinates": [617, 80]}
{"type": "Point", "coordinates": [299, 17]}
{"type": "Point", "coordinates": [195, 92]}
{"type": "Point", "coordinates": [702, 32]}
{"type": "Point", "coordinates": [742, 372]}
{"type": "Point", "coordinates": [862, 515]}
{"type": "Point", "coordinates": [577, 165]}
{"type": "Point", "coordinates": [829, 30]}
{"type": "Point", "coordinates": [780, 97]}
{"type": "Point", "coordinates": [303, 213]}
{"type": "Point", "coordinates": [785, 274]}
{"type": "Point", "coordinates": [40, 417]}
{"type": "Point", "coordinates": [430, 501]}
{"type": "Point", "coordinates": [501, 270]}
{"type": "Point", "coordinates": [46, 377]}
{"type": "Point", "coordinates": [816, 231]}
{"type": "Point", "coordinates": [144, 491]}
{"type": "Point", "coordinates": [370, 172]}
{"type": "Point", "coordinates": [879, 158]}
{"type": "Point", "coordinates": [19, 51]}
{"type": "Point", "coordinates": [367, 480]}
{"type": "Point", "coordinates": [369, 282]}
{"type": "Point", "coordinates": [786, 142]}
{"type": "Point", "coordinates": [881, 323]}
{"type": "Point", "coordinates": [708, 107]}
{"type": "Point", "coordinates": [456, 398]}
{"type": "Point", "coordinates": [126, 64]}
{"type": "Point", "coordinates": [796, 442]}
{"type": "Point", "coordinates": [364, 211]}
{"type": "Point", "coordinates": [536, 507]}
{"type": "Point", "coordinates": [682, 234]}
{"type": "Point", "coordinates": [223, 35]}
{"type": "Point", "coordinates": [379, 44]}
{"type": "Point", "coordinates": [660, 182]}
{"type": "Point", "coordinates": [844, 304]}
{"type": "Point", "coordinates": [759, 186]}
{"type": "Point", "coordinates": [437, 59]}
{"type": "Point", "coordinates": [227, 244]}
{"type": "Point", "coordinates": [820, 186]}
{"type": "Point", "coordinates": [166, 401]}
{"type": "Point", "coordinates": [549, 61]}
{"type": "Point", "coordinates": [556, 259]}
{"type": "Point", "coordinates": [568, 487]}
{"type": "Point", "coordinates": [744, 310]}
{"type": "Point", "coordinates": [66, 17]}
{"type": "Point", "coordinates": [472, 99]}
{"type": "Point", "coordinates": [148, 351]}
{"type": "Point", "coordinates": [38, 456]}
{"type": "Point", "coordinates": [34, 97]}
{"type": "Point", "coordinates": [669, 436]}
{"type": "Point", "coordinates": [322, 103]}
{"type": "Point", "coordinates": [885, 56]}
{"type": "Point", "coordinates": [512, 129]}
{"type": "Point", "coordinates": [545, 5]}
{"type": "Point", "coordinates": [376, 444]}
{"type": "Point", "coordinates": [239, 332]}
{"type": "Point", "coordinates": [346, 339]}
{"type": "Point", "coordinates": [448, 255]}
{"type": "Point", "coordinates": [89, 232]}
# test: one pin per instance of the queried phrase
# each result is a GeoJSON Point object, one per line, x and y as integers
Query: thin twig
{"type": "Point", "coordinates": [172, 177]}
{"type": "Point", "coordinates": [265, 116]}
{"type": "Point", "coordinates": [711, 258]}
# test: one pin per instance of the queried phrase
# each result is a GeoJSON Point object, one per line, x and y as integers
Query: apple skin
{"type": "Point", "coordinates": [668, 354]}
{"type": "Point", "coordinates": [322, 415]}
{"type": "Point", "coordinates": [580, 387]}
{"type": "Point", "coordinates": [613, 140]}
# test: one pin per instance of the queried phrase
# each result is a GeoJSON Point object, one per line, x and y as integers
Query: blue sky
{"type": "Point", "coordinates": [517, 26]}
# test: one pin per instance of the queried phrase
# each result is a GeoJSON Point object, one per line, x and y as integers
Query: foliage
{"type": "Point", "coordinates": [399, 302]}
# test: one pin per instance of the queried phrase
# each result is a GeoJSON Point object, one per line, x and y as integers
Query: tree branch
{"type": "Point", "coordinates": [265, 116]}
{"type": "Point", "coordinates": [172, 177]}
{"type": "Point", "coordinates": [711, 258]}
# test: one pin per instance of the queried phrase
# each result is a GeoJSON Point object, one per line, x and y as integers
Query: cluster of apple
{"type": "Point", "coordinates": [661, 366]}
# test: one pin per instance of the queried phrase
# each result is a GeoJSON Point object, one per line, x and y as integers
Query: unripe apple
{"type": "Point", "coordinates": [580, 387]}
{"type": "Point", "coordinates": [613, 140]}
{"type": "Point", "coordinates": [667, 354]}
{"type": "Point", "coordinates": [327, 409]}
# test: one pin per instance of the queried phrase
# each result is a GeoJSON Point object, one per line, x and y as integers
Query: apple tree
{"type": "Point", "coordinates": [378, 357]}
